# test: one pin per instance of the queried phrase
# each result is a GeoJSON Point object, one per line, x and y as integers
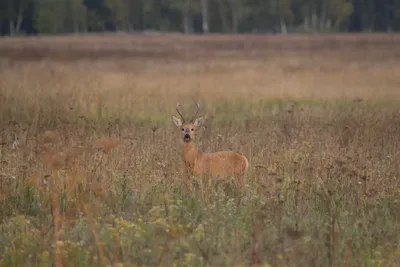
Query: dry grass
{"type": "Point", "coordinates": [91, 165]}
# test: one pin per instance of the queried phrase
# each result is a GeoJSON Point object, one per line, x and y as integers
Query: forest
{"type": "Point", "coordinates": [32, 17]}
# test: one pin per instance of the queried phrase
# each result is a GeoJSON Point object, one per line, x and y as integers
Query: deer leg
{"type": "Point", "coordinates": [239, 180]}
{"type": "Point", "coordinates": [186, 181]}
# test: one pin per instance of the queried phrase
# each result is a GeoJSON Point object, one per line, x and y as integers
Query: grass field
{"type": "Point", "coordinates": [92, 169]}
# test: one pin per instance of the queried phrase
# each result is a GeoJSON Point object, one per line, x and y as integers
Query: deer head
{"type": "Point", "coordinates": [188, 129]}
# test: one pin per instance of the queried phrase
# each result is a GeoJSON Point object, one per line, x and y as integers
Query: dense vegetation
{"type": "Point", "coordinates": [222, 16]}
{"type": "Point", "coordinates": [91, 166]}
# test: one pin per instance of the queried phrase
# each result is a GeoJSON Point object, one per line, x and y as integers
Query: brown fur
{"type": "Point", "coordinates": [218, 164]}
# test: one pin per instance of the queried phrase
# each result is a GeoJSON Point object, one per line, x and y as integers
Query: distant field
{"type": "Point", "coordinates": [177, 46]}
{"type": "Point", "coordinates": [91, 163]}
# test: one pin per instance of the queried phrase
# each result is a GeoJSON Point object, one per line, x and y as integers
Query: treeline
{"type": "Point", "coordinates": [20, 17]}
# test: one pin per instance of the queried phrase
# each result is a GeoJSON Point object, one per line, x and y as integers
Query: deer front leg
{"type": "Point", "coordinates": [186, 180]}
{"type": "Point", "coordinates": [239, 180]}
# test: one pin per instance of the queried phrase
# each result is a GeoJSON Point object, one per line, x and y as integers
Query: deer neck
{"type": "Point", "coordinates": [190, 153]}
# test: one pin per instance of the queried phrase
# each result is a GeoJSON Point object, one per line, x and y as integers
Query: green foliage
{"type": "Point", "coordinates": [50, 15]}
{"type": "Point", "coordinates": [60, 16]}
{"type": "Point", "coordinates": [65, 16]}
{"type": "Point", "coordinates": [20, 240]}
{"type": "Point", "coordinates": [75, 16]}
{"type": "Point", "coordinates": [324, 213]}
{"type": "Point", "coordinates": [339, 11]}
{"type": "Point", "coordinates": [218, 231]}
{"type": "Point", "coordinates": [118, 12]}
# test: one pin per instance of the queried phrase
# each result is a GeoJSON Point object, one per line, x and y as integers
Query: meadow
{"type": "Point", "coordinates": [91, 167]}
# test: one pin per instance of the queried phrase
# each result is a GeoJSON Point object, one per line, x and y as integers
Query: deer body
{"type": "Point", "coordinates": [218, 164]}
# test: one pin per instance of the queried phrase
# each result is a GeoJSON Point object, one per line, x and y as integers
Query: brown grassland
{"type": "Point", "coordinates": [91, 168]}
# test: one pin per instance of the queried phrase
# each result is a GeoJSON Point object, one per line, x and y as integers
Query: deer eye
{"type": "Point", "coordinates": [192, 129]}
{"type": "Point", "coordinates": [182, 129]}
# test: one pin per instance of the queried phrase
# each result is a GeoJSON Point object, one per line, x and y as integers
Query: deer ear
{"type": "Point", "coordinates": [176, 121]}
{"type": "Point", "coordinates": [199, 121]}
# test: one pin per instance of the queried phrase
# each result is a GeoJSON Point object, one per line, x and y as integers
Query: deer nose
{"type": "Point", "coordinates": [187, 136]}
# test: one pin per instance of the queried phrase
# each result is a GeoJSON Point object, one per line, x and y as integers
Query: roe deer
{"type": "Point", "coordinates": [218, 164]}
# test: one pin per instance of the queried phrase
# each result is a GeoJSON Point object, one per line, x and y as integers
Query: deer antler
{"type": "Point", "coordinates": [179, 112]}
{"type": "Point", "coordinates": [197, 110]}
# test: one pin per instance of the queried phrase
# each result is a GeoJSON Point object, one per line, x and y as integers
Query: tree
{"type": "Point", "coordinates": [66, 16]}
{"type": "Point", "coordinates": [231, 14]}
{"type": "Point", "coordinates": [187, 9]}
{"type": "Point", "coordinates": [118, 10]}
{"type": "Point", "coordinates": [338, 11]}
{"type": "Point", "coordinates": [281, 11]}
{"type": "Point", "coordinates": [76, 16]}
{"type": "Point", "coordinates": [60, 16]}
{"type": "Point", "coordinates": [50, 15]}
{"type": "Point", "coordinates": [204, 16]}
{"type": "Point", "coordinates": [323, 15]}
{"type": "Point", "coordinates": [15, 14]}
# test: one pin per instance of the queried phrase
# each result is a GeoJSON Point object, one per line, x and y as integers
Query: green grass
{"type": "Point", "coordinates": [322, 188]}
{"type": "Point", "coordinates": [338, 198]}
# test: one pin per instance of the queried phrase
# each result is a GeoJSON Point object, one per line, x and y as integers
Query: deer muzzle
{"type": "Point", "coordinates": [186, 137]}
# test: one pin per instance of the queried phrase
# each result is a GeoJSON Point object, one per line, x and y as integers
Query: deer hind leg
{"type": "Point", "coordinates": [239, 180]}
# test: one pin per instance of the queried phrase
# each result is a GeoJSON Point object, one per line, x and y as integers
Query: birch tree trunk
{"type": "Point", "coordinates": [322, 17]}
{"type": "Point", "coordinates": [314, 17]}
{"type": "Point", "coordinates": [281, 12]}
{"type": "Point", "coordinates": [222, 14]}
{"type": "Point", "coordinates": [19, 18]}
{"type": "Point", "coordinates": [283, 25]}
{"type": "Point", "coordinates": [11, 17]}
{"type": "Point", "coordinates": [234, 14]}
{"type": "Point", "coordinates": [204, 15]}
{"type": "Point", "coordinates": [187, 28]}
{"type": "Point", "coordinates": [306, 23]}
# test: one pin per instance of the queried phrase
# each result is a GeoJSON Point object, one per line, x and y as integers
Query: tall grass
{"type": "Point", "coordinates": [92, 170]}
